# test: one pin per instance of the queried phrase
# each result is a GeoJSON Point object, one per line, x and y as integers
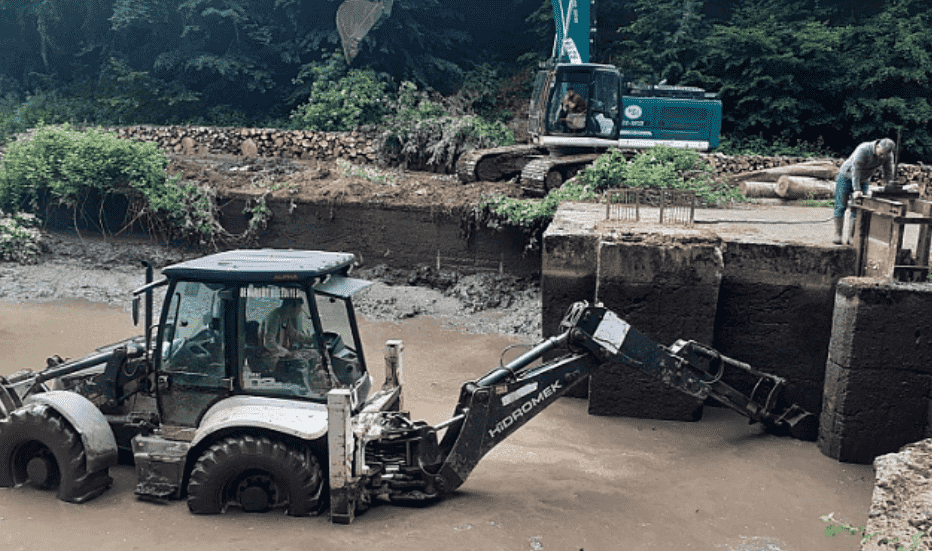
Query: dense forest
{"type": "Point", "coordinates": [825, 73]}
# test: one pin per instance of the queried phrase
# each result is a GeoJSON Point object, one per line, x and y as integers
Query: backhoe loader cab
{"type": "Point", "coordinates": [248, 345]}
{"type": "Point", "coordinates": [278, 325]}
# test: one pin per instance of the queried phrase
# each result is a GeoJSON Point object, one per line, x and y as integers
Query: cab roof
{"type": "Point", "coordinates": [262, 266]}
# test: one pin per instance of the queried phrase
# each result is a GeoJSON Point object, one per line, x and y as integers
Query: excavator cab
{"type": "Point", "coordinates": [576, 105]}
{"type": "Point", "coordinates": [586, 105]}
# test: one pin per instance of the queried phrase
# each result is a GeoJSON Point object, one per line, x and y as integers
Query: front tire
{"type": "Point", "coordinates": [256, 474]}
{"type": "Point", "coordinates": [40, 448]}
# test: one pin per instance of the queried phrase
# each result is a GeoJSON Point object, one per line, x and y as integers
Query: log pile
{"type": "Point", "coordinates": [258, 142]}
{"type": "Point", "coordinates": [738, 164]}
{"type": "Point", "coordinates": [810, 179]}
{"type": "Point", "coordinates": [805, 180]}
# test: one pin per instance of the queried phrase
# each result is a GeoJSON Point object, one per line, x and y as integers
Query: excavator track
{"type": "Point", "coordinates": [542, 174]}
{"type": "Point", "coordinates": [495, 164]}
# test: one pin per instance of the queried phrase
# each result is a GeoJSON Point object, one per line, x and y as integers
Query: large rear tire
{"type": "Point", "coordinates": [256, 474]}
{"type": "Point", "coordinates": [38, 447]}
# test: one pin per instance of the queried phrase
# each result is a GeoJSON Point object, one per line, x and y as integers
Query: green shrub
{"type": "Point", "coordinates": [342, 100]}
{"type": "Point", "coordinates": [60, 167]}
{"type": "Point", "coordinates": [49, 108]}
{"type": "Point", "coordinates": [660, 167]}
{"type": "Point", "coordinates": [421, 134]}
{"type": "Point", "coordinates": [20, 239]}
{"type": "Point", "coordinates": [532, 216]}
{"type": "Point", "coordinates": [436, 143]}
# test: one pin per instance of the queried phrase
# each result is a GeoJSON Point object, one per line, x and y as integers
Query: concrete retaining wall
{"type": "Point", "coordinates": [400, 237]}
{"type": "Point", "coordinates": [765, 303]}
{"type": "Point", "coordinates": [775, 311]}
{"type": "Point", "coordinates": [667, 287]}
{"type": "Point", "coordinates": [879, 369]}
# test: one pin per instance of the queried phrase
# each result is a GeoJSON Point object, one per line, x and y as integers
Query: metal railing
{"type": "Point", "coordinates": [675, 206]}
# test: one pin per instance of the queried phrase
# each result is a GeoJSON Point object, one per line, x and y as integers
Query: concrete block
{"type": "Point", "coordinates": [869, 412]}
{"type": "Point", "coordinates": [775, 312]}
{"type": "Point", "coordinates": [667, 287]}
{"type": "Point", "coordinates": [618, 389]}
{"type": "Point", "coordinates": [568, 267]}
{"type": "Point", "coordinates": [882, 324]}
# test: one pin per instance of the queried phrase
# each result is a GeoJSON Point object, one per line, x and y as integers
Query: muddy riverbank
{"type": "Point", "coordinates": [106, 271]}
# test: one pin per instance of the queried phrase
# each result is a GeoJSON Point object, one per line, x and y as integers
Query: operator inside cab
{"type": "Point", "coordinates": [288, 352]}
{"type": "Point", "coordinates": [573, 111]}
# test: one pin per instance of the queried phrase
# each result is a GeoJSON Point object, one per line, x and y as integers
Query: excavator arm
{"type": "Point", "coordinates": [407, 462]}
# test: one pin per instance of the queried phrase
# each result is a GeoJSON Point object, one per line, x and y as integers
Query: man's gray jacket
{"type": "Point", "coordinates": [862, 164]}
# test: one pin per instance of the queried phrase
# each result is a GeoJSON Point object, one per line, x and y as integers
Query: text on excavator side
{"type": "Point", "coordinates": [525, 408]}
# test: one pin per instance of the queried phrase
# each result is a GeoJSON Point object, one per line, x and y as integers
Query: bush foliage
{"type": "Point", "coordinates": [660, 167]}
{"type": "Point", "coordinates": [20, 238]}
{"type": "Point", "coordinates": [58, 167]}
{"type": "Point", "coordinates": [341, 99]}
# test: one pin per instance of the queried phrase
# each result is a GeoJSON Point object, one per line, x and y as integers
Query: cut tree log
{"type": "Point", "coordinates": [804, 187]}
{"type": "Point", "coordinates": [823, 170]}
{"type": "Point", "coordinates": [759, 189]}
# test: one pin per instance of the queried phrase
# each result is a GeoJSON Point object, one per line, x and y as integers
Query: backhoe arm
{"type": "Point", "coordinates": [491, 408]}
{"type": "Point", "coordinates": [412, 465]}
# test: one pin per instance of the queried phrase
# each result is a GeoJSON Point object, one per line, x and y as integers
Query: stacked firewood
{"type": "Point", "coordinates": [739, 164]}
{"type": "Point", "coordinates": [257, 142]}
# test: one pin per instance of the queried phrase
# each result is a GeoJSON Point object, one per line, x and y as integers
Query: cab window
{"type": "Point", "coordinates": [281, 354]}
{"type": "Point", "coordinates": [192, 341]}
{"type": "Point", "coordinates": [339, 338]}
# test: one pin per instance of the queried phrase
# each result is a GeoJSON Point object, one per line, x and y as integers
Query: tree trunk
{"type": "Point", "coordinates": [823, 170]}
{"type": "Point", "coordinates": [804, 187]}
{"type": "Point", "coordinates": [759, 189]}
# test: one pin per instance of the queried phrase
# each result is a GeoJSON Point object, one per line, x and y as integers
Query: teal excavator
{"type": "Point", "coordinates": [578, 110]}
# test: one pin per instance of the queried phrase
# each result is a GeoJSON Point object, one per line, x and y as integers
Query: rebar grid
{"type": "Point", "coordinates": [675, 206]}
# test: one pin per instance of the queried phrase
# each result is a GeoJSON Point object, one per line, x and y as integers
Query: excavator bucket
{"type": "Point", "coordinates": [355, 18]}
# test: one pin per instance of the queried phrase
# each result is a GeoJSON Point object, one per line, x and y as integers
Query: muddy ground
{"type": "Point", "coordinates": [566, 481]}
{"type": "Point", "coordinates": [107, 270]}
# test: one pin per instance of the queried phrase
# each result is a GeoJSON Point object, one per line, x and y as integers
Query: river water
{"type": "Point", "coordinates": [566, 481]}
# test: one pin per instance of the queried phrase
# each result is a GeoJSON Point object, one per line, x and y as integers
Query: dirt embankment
{"type": "Point", "coordinates": [335, 181]}
{"type": "Point", "coordinates": [107, 271]}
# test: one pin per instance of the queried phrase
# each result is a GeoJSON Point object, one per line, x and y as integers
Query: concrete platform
{"type": "Point", "coordinates": [757, 284]}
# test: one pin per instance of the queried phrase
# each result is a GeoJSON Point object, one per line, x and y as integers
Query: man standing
{"type": "Point", "coordinates": [855, 174]}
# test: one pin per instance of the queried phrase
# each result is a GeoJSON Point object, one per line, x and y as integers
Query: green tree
{"type": "Point", "coordinates": [341, 98]}
{"type": "Point", "coordinates": [888, 77]}
{"type": "Point", "coordinates": [778, 72]}
{"type": "Point", "coordinates": [664, 41]}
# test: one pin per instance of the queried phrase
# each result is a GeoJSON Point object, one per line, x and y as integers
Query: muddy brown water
{"type": "Point", "coordinates": [566, 481]}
